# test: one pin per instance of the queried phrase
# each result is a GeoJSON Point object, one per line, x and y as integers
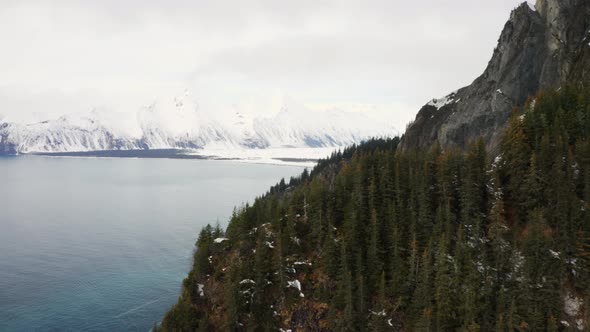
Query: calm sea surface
{"type": "Point", "coordinates": [92, 244]}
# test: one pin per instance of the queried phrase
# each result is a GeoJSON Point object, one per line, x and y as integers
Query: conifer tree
{"type": "Point", "coordinates": [378, 321]}
{"type": "Point", "coordinates": [422, 298]}
{"type": "Point", "coordinates": [433, 240]}
{"type": "Point", "coordinates": [373, 262]}
{"type": "Point", "coordinates": [231, 286]}
{"type": "Point", "coordinates": [444, 309]}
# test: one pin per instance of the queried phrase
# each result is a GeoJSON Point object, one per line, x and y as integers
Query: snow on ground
{"type": "Point", "coordinates": [247, 281]}
{"type": "Point", "coordinates": [553, 253]}
{"type": "Point", "coordinates": [306, 157]}
{"type": "Point", "coordinates": [302, 263]}
{"type": "Point", "coordinates": [572, 305]}
{"type": "Point", "coordinates": [297, 285]}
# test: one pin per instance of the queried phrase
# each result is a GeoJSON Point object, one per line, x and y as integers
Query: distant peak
{"type": "Point", "coordinates": [289, 104]}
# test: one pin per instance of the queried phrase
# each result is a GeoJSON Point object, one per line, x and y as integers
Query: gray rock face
{"type": "Point", "coordinates": [538, 49]}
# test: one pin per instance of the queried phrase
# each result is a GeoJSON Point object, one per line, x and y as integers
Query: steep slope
{"type": "Point", "coordinates": [377, 239]}
{"type": "Point", "coordinates": [538, 49]}
{"type": "Point", "coordinates": [179, 123]}
{"type": "Point", "coordinates": [295, 124]}
{"type": "Point", "coordinates": [67, 133]}
{"type": "Point", "coordinates": [421, 238]}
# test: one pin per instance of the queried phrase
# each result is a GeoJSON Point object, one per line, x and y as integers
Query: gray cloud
{"type": "Point", "coordinates": [125, 53]}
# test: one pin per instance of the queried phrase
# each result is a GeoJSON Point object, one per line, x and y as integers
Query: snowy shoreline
{"type": "Point", "coordinates": [303, 157]}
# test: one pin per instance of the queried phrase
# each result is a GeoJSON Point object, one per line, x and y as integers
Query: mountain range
{"type": "Point", "coordinates": [179, 123]}
{"type": "Point", "coordinates": [540, 47]}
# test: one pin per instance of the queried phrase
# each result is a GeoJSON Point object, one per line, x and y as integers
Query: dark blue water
{"type": "Point", "coordinates": [103, 244]}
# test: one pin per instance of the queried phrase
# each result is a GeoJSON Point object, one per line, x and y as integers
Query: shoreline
{"type": "Point", "coordinates": [185, 154]}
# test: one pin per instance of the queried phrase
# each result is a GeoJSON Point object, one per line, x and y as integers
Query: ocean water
{"type": "Point", "coordinates": [92, 244]}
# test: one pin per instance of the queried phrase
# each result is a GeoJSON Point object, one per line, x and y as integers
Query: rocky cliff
{"type": "Point", "coordinates": [541, 48]}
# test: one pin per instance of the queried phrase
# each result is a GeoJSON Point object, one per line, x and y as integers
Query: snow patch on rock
{"type": "Point", "coordinates": [439, 103]}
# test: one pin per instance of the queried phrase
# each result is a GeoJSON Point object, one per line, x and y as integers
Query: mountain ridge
{"type": "Point", "coordinates": [537, 50]}
{"type": "Point", "coordinates": [179, 123]}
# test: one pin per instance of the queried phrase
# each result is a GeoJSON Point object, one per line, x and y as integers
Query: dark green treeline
{"type": "Point", "coordinates": [435, 240]}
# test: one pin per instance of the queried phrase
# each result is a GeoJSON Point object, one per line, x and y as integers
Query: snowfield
{"type": "Point", "coordinates": [277, 156]}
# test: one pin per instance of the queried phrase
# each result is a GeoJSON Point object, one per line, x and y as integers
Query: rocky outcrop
{"type": "Point", "coordinates": [542, 48]}
{"type": "Point", "coordinates": [6, 146]}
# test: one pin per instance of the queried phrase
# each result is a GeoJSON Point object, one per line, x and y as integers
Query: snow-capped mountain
{"type": "Point", "coordinates": [180, 123]}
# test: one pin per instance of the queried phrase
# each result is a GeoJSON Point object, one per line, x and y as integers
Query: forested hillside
{"type": "Point", "coordinates": [375, 239]}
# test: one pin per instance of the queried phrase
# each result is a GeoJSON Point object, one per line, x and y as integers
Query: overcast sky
{"type": "Point", "coordinates": [66, 56]}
